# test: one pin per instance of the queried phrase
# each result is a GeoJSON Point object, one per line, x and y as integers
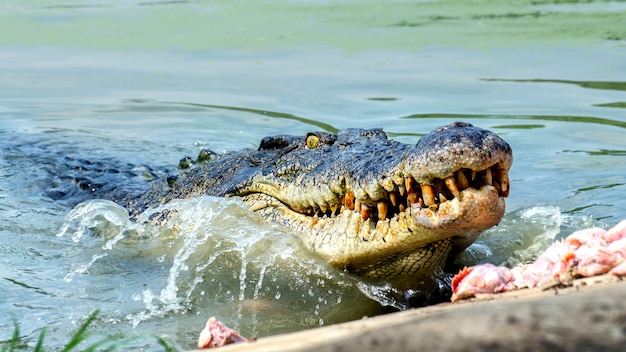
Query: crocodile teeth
{"type": "Point", "coordinates": [324, 208]}
{"type": "Point", "coordinates": [410, 194]}
{"type": "Point", "coordinates": [412, 198]}
{"type": "Point", "coordinates": [382, 210]}
{"type": "Point", "coordinates": [451, 184]}
{"type": "Point", "coordinates": [349, 200]}
{"type": "Point", "coordinates": [428, 193]}
{"type": "Point", "coordinates": [488, 177]}
{"type": "Point", "coordinates": [504, 179]}
{"type": "Point", "coordinates": [393, 199]}
{"type": "Point", "coordinates": [462, 182]}
{"type": "Point", "coordinates": [408, 183]}
{"type": "Point", "coordinates": [366, 212]}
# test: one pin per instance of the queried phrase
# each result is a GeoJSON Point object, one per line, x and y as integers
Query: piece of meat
{"type": "Point", "coordinates": [619, 269]}
{"type": "Point", "coordinates": [616, 233]}
{"type": "Point", "coordinates": [216, 334]}
{"type": "Point", "coordinates": [555, 262]}
{"type": "Point", "coordinates": [594, 260]}
{"type": "Point", "coordinates": [618, 248]}
{"type": "Point", "coordinates": [586, 252]}
{"type": "Point", "coordinates": [586, 236]}
{"type": "Point", "coordinates": [517, 280]}
{"type": "Point", "coordinates": [480, 279]}
{"type": "Point", "coordinates": [602, 253]}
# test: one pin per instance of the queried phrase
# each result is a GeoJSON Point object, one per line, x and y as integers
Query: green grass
{"type": "Point", "coordinates": [104, 343]}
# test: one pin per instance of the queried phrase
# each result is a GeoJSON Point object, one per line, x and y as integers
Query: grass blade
{"type": "Point", "coordinates": [42, 336]}
{"type": "Point", "coordinates": [15, 339]}
{"type": "Point", "coordinates": [82, 333]}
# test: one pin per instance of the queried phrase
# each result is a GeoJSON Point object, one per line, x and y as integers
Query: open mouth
{"type": "Point", "coordinates": [411, 194]}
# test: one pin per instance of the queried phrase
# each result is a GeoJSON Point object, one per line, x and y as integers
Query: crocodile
{"type": "Point", "coordinates": [370, 205]}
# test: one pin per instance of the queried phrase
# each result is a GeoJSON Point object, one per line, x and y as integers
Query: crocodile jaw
{"type": "Point", "coordinates": [400, 249]}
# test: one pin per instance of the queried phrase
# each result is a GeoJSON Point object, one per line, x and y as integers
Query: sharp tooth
{"type": "Point", "coordinates": [408, 183]}
{"type": "Point", "coordinates": [451, 183]}
{"type": "Point", "coordinates": [504, 178]}
{"type": "Point", "coordinates": [382, 210]}
{"type": "Point", "coordinates": [349, 200]}
{"type": "Point", "coordinates": [488, 177]}
{"type": "Point", "coordinates": [401, 190]}
{"type": "Point", "coordinates": [428, 192]}
{"type": "Point", "coordinates": [412, 198]}
{"type": "Point", "coordinates": [366, 212]}
{"type": "Point", "coordinates": [442, 198]}
{"type": "Point", "coordinates": [324, 208]}
{"type": "Point", "coordinates": [393, 199]}
{"type": "Point", "coordinates": [334, 207]}
{"type": "Point", "coordinates": [462, 182]}
{"type": "Point", "coordinates": [401, 208]}
{"type": "Point", "coordinates": [472, 175]}
{"type": "Point", "coordinates": [357, 205]}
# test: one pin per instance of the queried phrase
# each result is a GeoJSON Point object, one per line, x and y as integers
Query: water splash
{"type": "Point", "coordinates": [99, 217]}
{"type": "Point", "coordinates": [213, 256]}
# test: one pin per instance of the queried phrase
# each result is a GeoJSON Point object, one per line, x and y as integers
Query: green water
{"type": "Point", "coordinates": [148, 82]}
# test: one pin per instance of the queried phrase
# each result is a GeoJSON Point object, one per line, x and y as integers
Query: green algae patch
{"type": "Point", "coordinates": [349, 25]}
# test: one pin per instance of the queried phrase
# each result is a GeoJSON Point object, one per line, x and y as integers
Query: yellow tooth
{"type": "Point", "coordinates": [428, 193]}
{"type": "Point", "coordinates": [408, 183]}
{"type": "Point", "coordinates": [393, 199]}
{"type": "Point", "coordinates": [366, 212]}
{"type": "Point", "coordinates": [401, 208]}
{"type": "Point", "coordinates": [462, 182]}
{"type": "Point", "coordinates": [488, 177]}
{"type": "Point", "coordinates": [334, 207]}
{"type": "Point", "coordinates": [451, 183]}
{"type": "Point", "coordinates": [357, 205]}
{"type": "Point", "coordinates": [504, 178]}
{"type": "Point", "coordinates": [442, 198]}
{"type": "Point", "coordinates": [401, 190]}
{"type": "Point", "coordinates": [349, 200]}
{"type": "Point", "coordinates": [382, 210]}
{"type": "Point", "coordinates": [412, 198]}
{"type": "Point", "coordinates": [472, 175]}
{"type": "Point", "coordinates": [324, 208]}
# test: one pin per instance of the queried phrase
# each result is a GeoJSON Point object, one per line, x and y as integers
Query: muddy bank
{"type": "Point", "coordinates": [590, 315]}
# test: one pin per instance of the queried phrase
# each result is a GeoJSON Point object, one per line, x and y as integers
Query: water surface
{"type": "Point", "coordinates": [145, 83]}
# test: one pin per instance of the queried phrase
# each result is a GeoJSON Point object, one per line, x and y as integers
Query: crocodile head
{"type": "Point", "coordinates": [379, 208]}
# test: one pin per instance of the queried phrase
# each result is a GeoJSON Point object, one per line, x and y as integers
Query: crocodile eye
{"type": "Point", "coordinates": [312, 141]}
